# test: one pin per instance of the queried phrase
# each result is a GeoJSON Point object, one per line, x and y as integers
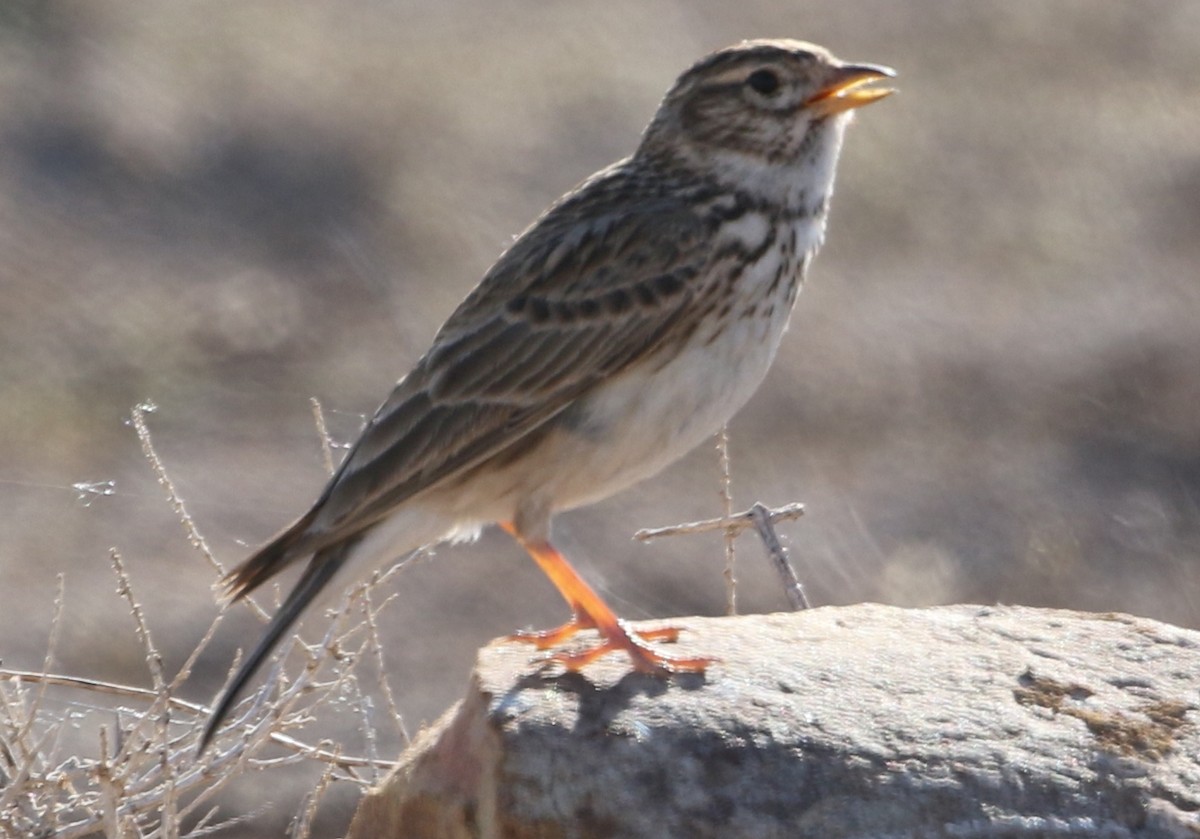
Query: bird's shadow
{"type": "Point", "coordinates": [597, 705]}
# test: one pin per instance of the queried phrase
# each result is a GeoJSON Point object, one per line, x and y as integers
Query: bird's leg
{"type": "Point", "coordinates": [591, 612]}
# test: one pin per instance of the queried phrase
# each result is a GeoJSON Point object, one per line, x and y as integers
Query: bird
{"type": "Point", "coordinates": [626, 325]}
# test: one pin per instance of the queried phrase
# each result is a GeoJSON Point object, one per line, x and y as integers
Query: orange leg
{"type": "Point", "coordinates": [590, 612]}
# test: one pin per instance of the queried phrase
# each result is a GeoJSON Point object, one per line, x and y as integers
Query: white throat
{"type": "Point", "coordinates": [799, 184]}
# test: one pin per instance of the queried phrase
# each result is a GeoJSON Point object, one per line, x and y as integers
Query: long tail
{"type": "Point", "coordinates": [320, 570]}
{"type": "Point", "coordinates": [286, 547]}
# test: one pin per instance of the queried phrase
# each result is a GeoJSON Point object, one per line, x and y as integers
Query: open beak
{"type": "Point", "coordinates": [846, 90]}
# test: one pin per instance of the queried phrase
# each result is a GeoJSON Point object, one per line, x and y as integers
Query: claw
{"type": "Point", "coordinates": [644, 658]}
{"type": "Point", "coordinates": [544, 639]}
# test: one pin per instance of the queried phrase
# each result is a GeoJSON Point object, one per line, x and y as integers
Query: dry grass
{"type": "Point", "coordinates": [141, 776]}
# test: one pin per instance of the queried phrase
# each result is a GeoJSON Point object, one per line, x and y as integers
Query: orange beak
{"type": "Point", "coordinates": [846, 91]}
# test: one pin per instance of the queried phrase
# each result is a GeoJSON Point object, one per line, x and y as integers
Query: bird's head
{"type": "Point", "coordinates": [775, 102]}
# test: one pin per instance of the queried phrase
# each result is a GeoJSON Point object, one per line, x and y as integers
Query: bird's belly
{"type": "Point", "coordinates": [638, 422]}
{"type": "Point", "coordinates": [635, 425]}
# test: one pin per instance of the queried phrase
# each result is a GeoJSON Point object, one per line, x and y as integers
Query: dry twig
{"type": "Point", "coordinates": [735, 523]}
{"type": "Point", "coordinates": [143, 778]}
{"type": "Point", "coordinates": [763, 519]}
{"type": "Point", "coordinates": [764, 523]}
{"type": "Point", "coordinates": [727, 509]}
{"type": "Point", "coordinates": [323, 433]}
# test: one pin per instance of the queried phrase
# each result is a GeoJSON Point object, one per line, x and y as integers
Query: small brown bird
{"type": "Point", "coordinates": [624, 327]}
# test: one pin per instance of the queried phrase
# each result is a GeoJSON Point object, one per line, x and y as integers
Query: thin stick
{"type": "Point", "coordinates": [736, 522]}
{"type": "Point", "coordinates": [153, 657]}
{"type": "Point", "coordinates": [323, 433]}
{"type": "Point", "coordinates": [32, 755]}
{"type": "Point", "coordinates": [377, 650]}
{"type": "Point", "coordinates": [779, 557]}
{"type": "Point", "coordinates": [60, 598]}
{"type": "Point", "coordinates": [96, 686]}
{"type": "Point", "coordinates": [185, 670]}
{"type": "Point", "coordinates": [109, 797]}
{"type": "Point", "coordinates": [138, 418]}
{"type": "Point", "coordinates": [308, 811]}
{"type": "Point", "coordinates": [727, 508]}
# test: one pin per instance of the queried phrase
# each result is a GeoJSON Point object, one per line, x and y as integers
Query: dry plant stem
{"type": "Point", "coordinates": [108, 816]}
{"type": "Point", "coordinates": [384, 684]}
{"type": "Point", "coordinates": [126, 791]}
{"type": "Point", "coordinates": [281, 705]}
{"type": "Point", "coordinates": [737, 523]}
{"type": "Point", "coordinates": [138, 418]}
{"type": "Point", "coordinates": [303, 825]}
{"type": "Point", "coordinates": [214, 774]}
{"type": "Point", "coordinates": [95, 686]}
{"type": "Point", "coordinates": [779, 557]}
{"type": "Point", "coordinates": [138, 740]}
{"type": "Point", "coordinates": [194, 537]}
{"type": "Point", "coordinates": [197, 541]}
{"type": "Point", "coordinates": [730, 535]}
{"type": "Point", "coordinates": [146, 780]}
{"type": "Point", "coordinates": [323, 433]}
{"type": "Point", "coordinates": [203, 828]}
{"type": "Point", "coordinates": [153, 657]}
{"type": "Point", "coordinates": [51, 645]}
{"type": "Point", "coordinates": [17, 779]}
{"type": "Point", "coordinates": [346, 762]}
{"type": "Point", "coordinates": [185, 671]}
{"type": "Point", "coordinates": [364, 706]}
{"type": "Point", "coordinates": [762, 519]}
{"type": "Point", "coordinates": [169, 820]}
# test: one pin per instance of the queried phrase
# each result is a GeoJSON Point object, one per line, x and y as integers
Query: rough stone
{"type": "Point", "coordinates": [859, 721]}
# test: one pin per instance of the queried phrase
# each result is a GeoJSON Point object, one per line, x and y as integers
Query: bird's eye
{"type": "Point", "coordinates": [763, 81]}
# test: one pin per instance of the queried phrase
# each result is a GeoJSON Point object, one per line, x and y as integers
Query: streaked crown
{"type": "Point", "coordinates": [767, 99]}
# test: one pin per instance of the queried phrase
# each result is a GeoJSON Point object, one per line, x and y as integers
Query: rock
{"type": "Point", "coordinates": [836, 722]}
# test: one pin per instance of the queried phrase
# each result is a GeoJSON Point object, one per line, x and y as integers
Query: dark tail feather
{"type": "Point", "coordinates": [269, 560]}
{"type": "Point", "coordinates": [321, 569]}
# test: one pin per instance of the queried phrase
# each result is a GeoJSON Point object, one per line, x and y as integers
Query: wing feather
{"type": "Point", "coordinates": [579, 297]}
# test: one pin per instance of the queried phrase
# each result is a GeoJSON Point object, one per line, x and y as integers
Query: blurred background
{"type": "Point", "coordinates": [989, 392]}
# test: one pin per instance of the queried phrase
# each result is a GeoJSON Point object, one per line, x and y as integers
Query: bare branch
{"type": "Point", "coordinates": [153, 658]}
{"type": "Point", "coordinates": [323, 433]}
{"type": "Point", "coordinates": [52, 643]}
{"type": "Point", "coordinates": [727, 509]}
{"type": "Point", "coordinates": [764, 524]}
{"type": "Point", "coordinates": [376, 646]}
{"type": "Point", "coordinates": [308, 811]}
{"type": "Point", "coordinates": [137, 417]}
{"type": "Point", "coordinates": [735, 523]}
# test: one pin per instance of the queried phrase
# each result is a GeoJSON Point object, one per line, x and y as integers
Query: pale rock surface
{"type": "Point", "coordinates": [861, 721]}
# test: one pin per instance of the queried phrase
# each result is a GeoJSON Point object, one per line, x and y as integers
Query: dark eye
{"type": "Point", "coordinates": [763, 81]}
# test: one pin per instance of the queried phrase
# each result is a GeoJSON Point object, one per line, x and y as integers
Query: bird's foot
{"type": "Point", "coordinates": [590, 612]}
{"type": "Point", "coordinates": [644, 658]}
{"type": "Point", "coordinates": [544, 639]}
